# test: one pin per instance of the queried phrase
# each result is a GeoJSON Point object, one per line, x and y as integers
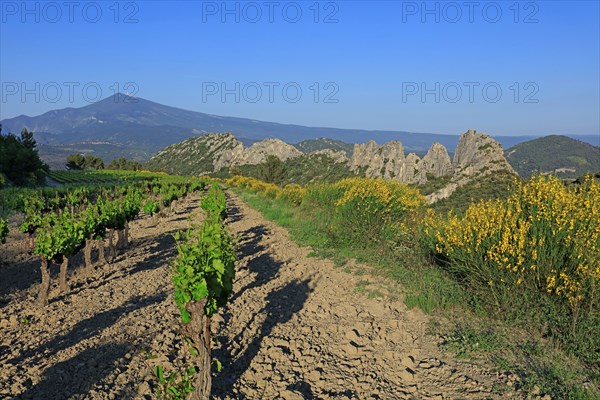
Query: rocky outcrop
{"type": "Point", "coordinates": [412, 171]}
{"type": "Point", "coordinates": [437, 161]}
{"type": "Point", "coordinates": [389, 162]}
{"type": "Point", "coordinates": [258, 152]}
{"type": "Point", "coordinates": [213, 151]}
{"type": "Point", "coordinates": [476, 156]}
{"type": "Point", "coordinates": [478, 153]}
{"type": "Point", "coordinates": [200, 155]}
{"type": "Point", "coordinates": [379, 161]}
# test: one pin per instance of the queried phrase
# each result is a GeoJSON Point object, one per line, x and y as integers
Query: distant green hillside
{"type": "Point", "coordinates": [560, 155]}
{"type": "Point", "coordinates": [307, 146]}
{"type": "Point", "coordinates": [195, 156]}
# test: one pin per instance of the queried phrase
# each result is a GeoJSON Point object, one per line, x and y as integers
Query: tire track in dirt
{"type": "Point", "coordinates": [295, 328]}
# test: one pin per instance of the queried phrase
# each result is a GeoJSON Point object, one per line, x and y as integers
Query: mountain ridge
{"type": "Point", "coordinates": [138, 127]}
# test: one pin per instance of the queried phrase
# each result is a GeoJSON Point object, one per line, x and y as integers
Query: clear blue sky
{"type": "Point", "coordinates": [376, 56]}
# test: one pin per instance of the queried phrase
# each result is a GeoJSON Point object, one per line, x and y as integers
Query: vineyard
{"type": "Point", "coordinates": [61, 223]}
{"type": "Point", "coordinates": [100, 177]}
{"type": "Point", "coordinates": [138, 285]}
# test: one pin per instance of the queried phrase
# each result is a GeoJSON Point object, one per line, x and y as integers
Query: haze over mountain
{"type": "Point", "coordinates": [125, 126]}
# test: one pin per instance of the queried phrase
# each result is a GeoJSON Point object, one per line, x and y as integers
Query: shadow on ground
{"type": "Point", "coordinates": [85, 329]}
{"type": "Point", "coordinates": [281, 305]}
{"type": "Point", "coordinates": [79, 374]}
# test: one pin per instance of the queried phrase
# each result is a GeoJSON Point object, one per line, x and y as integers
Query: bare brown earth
{"type": "Point", "coordinates": [295, 327]}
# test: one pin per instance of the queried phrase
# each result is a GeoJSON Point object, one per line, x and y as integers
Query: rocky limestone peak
{"type": "Point", "coordinates": [412, 171]}
{"type": "Point", "coordinates": [258, 152]}
{"type": "Point", "coordinates": [437, 161]}
{"type": "Point", "coordinates": [476, 150]}
{"type": "Point", "coordinates": [385, 161]}
{"type": "Point", "coordinates": [231, 149]}
{"type": "Point", "coordinates": [476, 155]}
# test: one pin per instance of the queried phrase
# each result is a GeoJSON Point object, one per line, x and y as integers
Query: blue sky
{"type": "Point", "coordinates": [442, 67]}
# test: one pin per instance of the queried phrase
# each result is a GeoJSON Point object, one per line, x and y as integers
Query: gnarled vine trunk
{"type": "Point", "coordinates": [198, 330]}
{"type": "Point", "coordinates": [62, 276]}
{"type": "Point", "coordinates": [119, 243]}
{"type": "Point", "coordinates": [42, 298]}
{"type": "Point", "coordinates": [101, 256]}
{"type": "Point", "coordinates": [122, 237]}
{"type": "Point", "coordinates": [31, 242]}
{"type": "Point", "coordinates": [111, 246]}
{"type": "Point", "coordinates": [126, 234]}
{"type": "Point", "coordinates": [87, 253]}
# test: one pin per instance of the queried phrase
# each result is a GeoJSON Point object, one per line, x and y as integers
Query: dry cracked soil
{"type": "Point", "coordinates": [295, 327]}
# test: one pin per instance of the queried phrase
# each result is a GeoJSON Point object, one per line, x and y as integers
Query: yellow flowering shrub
{"type": "Point", "coordinates": [378, 195]}
{"type": "Point", "coordinates": [257, 186]}
{"type": "Point", "coordinates": [367, 207]}
{"type": "Point", "coordinates": [545, 238]}
{"type": "Point", "coordinates": [293, 193]}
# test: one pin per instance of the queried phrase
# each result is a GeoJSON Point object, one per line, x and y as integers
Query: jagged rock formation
{"type": "Point", "coordinates": [437, 161]}
{"type": "Point", "coordinates": [386, 161]}
{"type": "Point", "coordinates": [477, 155]}
{"type": "Point", "coordinates": [258, 152]}
{"type": "Point", "coordinates": [211, 152]}
{"type": "Point", "coordinates": [389, 162]}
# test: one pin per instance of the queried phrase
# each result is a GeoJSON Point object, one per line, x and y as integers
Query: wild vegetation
{"type": "Point", "coordinates": [20, 163]}
{"type": "Point", "coordinates": [313, 168]}
{"type": "Point", "coordinates": [78, 161]}
{"type": "Point", "coordinates": [310, 145]}
{"type": "Point", "coordinates": [494, 186]}
{"type": "Point", "coordinates": [537, 246]}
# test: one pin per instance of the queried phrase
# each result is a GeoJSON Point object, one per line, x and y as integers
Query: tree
{"type": "Point", "coordinates": [272, 170]}
{"type": "Point", "coordinates": [93, 162]}
{"type": "Point", "coordinates": [28, 140]}
{"type": "Point", "coordinates": [79, 162]}
{"type": "Point", "coordinates": [19, 159]}
{"type": "Point", "coordinates": [124, 164]}
{"type": "Point", "coordinates": [75, 161]}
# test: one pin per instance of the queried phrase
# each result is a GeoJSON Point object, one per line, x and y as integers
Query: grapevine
{"type": "Point", "coordinates": [203, 278]}
{"type": "Point", "coordinates": [3, 230]}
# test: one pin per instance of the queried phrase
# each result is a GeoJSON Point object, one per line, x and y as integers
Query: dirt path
{"type": "Point", "coordinates": [94, 342]}
{"type": "Point", "coordinates": [296, 328]}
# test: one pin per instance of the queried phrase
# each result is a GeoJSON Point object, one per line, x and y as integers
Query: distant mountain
{"type": "Point", "coordinates": [125, 126]}
{"type": "Point", "coordinates": [308, 146]}
{"type": "Point", "coordinates": [561, 155]}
